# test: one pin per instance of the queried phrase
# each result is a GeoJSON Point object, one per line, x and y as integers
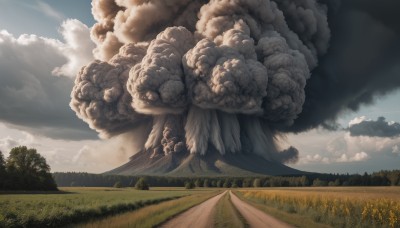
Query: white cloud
{"type": "Point", "coordinates": [93, 156]}
{"type": "Point", "coordinates": [7, 143]}
{"type": "Point", "coordinates": [321, 147]}
{"type": "Point", "coordinates": [317, 158]}
{"type": "Point", "coordinates": [358, 120]}
{"type": "Point", "coordinates": [31, 98]}
{"type": "Point", "coordinates": [396, 149]}
{"type": "Point", "coordinates": [358, 157]}
{"type": "Point", "coordinates": [78, 48]}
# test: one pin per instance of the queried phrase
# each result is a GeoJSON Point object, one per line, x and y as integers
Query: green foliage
{"type": "Point", "coordinates": [198, 183]}
{"type": "Point", "coordinates": [117, 184]}
{"type": "Point", "coordinates": [382, 178]}
{"type": "Point", "coordinates": [247, 183]}
{"type": "Point", "coordinates": [206, 183]}
{"type": "Point", "coordinates": [319, 183]}
{"type": "Point", "coordinates": [235, 183]}
{"type": "Point", "coordinates": [2, 163]}
{"type": "Point", "coordinates": [76, 205]}
{"type": "Point", "coordinates": [219, 183]}
{"type": "Point", "coordinates": [257, 183]}
{"type": "Point", "coordinates": [227, 183]}
{"type": "Point", "coordinates": [25, 169]}
{"type": "Point", "coordinates": [189, 185]}
{"type": "Point", "coordinates": [142, 184]}
{"type": "Point", "coordinates": [2, 171]}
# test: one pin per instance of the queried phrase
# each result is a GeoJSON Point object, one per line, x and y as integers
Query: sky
{"type": "Point", "coordinates": [43, 45]}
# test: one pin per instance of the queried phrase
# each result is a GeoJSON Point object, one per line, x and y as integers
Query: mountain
{"type": "Point", "coordinates": [212, 164]}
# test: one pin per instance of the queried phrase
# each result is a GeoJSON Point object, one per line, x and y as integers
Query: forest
{"type": "Point", "coordinates": [381, 178]}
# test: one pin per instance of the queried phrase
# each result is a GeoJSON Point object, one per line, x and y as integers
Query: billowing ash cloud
{"type": "Point", "coordinates": [219, 73]}
{"type": "Point", "coordinates": [378, 128]}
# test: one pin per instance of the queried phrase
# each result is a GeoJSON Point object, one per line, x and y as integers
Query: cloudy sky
{"type": "Point", "coordinates": [44, 43]}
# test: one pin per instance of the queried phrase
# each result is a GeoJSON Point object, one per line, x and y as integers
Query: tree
{"type": "Point", "coordinates": [118, 184]}
{"type": "Point", "coordinates": [142, 184]}
{"type": "Point", "coordinates": [246, 183]}
{"type": "Point", "coordinates": [304, 181]}
{"type": "Point", "coordinates": [2, 171]}
{"type": "Point", "coordinates": [189, 185]}
{"type": "Point", "coordinates": [206, 183]}
{"type": "Point", "coordinates": [227, 184]}
{"type": "Point", "coordinates": [257, 183]}
{"type": "Point", "coordinates": [198, 183]}
{"type": "Point", "coordinates": [318, 183]}
{"type": "Point", "coordinates": [28, 170]}
{"type": "Point", "coordinates": [235, 183]}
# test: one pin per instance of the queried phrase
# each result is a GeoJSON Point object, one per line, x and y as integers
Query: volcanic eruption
{"type": "Point", "coordinates": [207, 82]}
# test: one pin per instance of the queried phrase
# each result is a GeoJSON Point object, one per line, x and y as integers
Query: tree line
{"type": "Point", "coordinates": [25, 169]}
{"type": "Point", "coordinates": [382, 178]}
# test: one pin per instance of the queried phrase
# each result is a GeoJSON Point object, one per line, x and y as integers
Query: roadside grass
{"type": "Point", "coordinates": [337, 207]}
{"type": "Point", "coordinates": [79, 204]}
{"type": "Point", "coordinates": [152, 216]}
{"type": "Point", "coordinates": [226, 215]}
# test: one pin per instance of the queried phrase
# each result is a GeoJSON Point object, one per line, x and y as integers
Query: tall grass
{"type": "Point", "coordinates": [339, 207]}
{"type": "Point", "coordinates": [78, 204]}
{"type": "Point", "coordinates": [151, 216]}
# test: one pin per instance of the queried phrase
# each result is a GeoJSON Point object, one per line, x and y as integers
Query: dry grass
{"type": "Point", "coordinates": [339, 207]}
{"type": "Point", "coordinates": [154, 215]}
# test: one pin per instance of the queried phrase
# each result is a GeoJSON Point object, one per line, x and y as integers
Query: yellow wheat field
{"type": "Point", "coordinates": [348, 207]}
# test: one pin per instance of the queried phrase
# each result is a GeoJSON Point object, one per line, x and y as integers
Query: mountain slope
{"type": "Point", "coordinates": [212, 164]}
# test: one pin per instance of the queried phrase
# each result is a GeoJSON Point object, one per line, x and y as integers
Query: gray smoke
{"type": "Point", "coordinates": [204, 74]}
{"type": "Point", "coordinates": [378, 128]}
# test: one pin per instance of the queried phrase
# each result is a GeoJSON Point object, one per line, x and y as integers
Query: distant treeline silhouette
{"type": "Point", "coordinates": [25, 170]}
{"type": "Point", "coordinates": [382, 178]}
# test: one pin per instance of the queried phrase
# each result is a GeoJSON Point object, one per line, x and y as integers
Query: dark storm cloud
{"type": "Point", "coordinates": [31, 98]}
{"type": "Point", "coordinates": [378, 128]}
{"type": "Point", "coordinates": [363, 62]}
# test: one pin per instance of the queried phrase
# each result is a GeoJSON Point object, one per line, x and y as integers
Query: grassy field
{"type": "Point", "coordinates": [153, 215]}
{"type": "Point", "coordinates": [76, 205]}
{"type": "Point", "coordinates": [227, 216]}
{"type": "Point", "coordinates": [338, 207]}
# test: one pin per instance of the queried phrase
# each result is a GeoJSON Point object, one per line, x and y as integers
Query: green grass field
{"type": "Point", "coordinates": [76, 205]}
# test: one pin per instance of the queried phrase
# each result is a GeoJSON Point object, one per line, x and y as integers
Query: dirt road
{"type": "Point", "coordinates": [200, 216]}
{"type": "Point", "coordinates": [254, 217]}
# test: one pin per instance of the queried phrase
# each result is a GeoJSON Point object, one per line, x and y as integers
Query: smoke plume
{"type": "Point", "coordinates": [221, 73]}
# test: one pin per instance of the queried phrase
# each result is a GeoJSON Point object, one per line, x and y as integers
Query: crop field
{"type": "Point", "coordinates": [153, 215]}
{"type": "Point", "coordinates": [337, 207]}
{"type": "Point", "coordinates": [77, 204]}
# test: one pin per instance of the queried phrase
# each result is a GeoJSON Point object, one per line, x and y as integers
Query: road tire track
{"type": "Point", "coordinates": [254, 217]}
{"type": "Point", "coordinates": [200, 216]}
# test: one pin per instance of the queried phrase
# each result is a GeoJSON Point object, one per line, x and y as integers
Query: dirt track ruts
{"type": "Point", "coordinates": [200, 216]}
{"type": "Point", "coordinates": [254, 217]}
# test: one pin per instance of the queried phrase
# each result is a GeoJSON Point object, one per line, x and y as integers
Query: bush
{"type": "Point", "coordinates": [142, 184]}
{"type": "Point", "coordinates": [118, 184]}
{"type": "Point", "coordinates": [189, 185]}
